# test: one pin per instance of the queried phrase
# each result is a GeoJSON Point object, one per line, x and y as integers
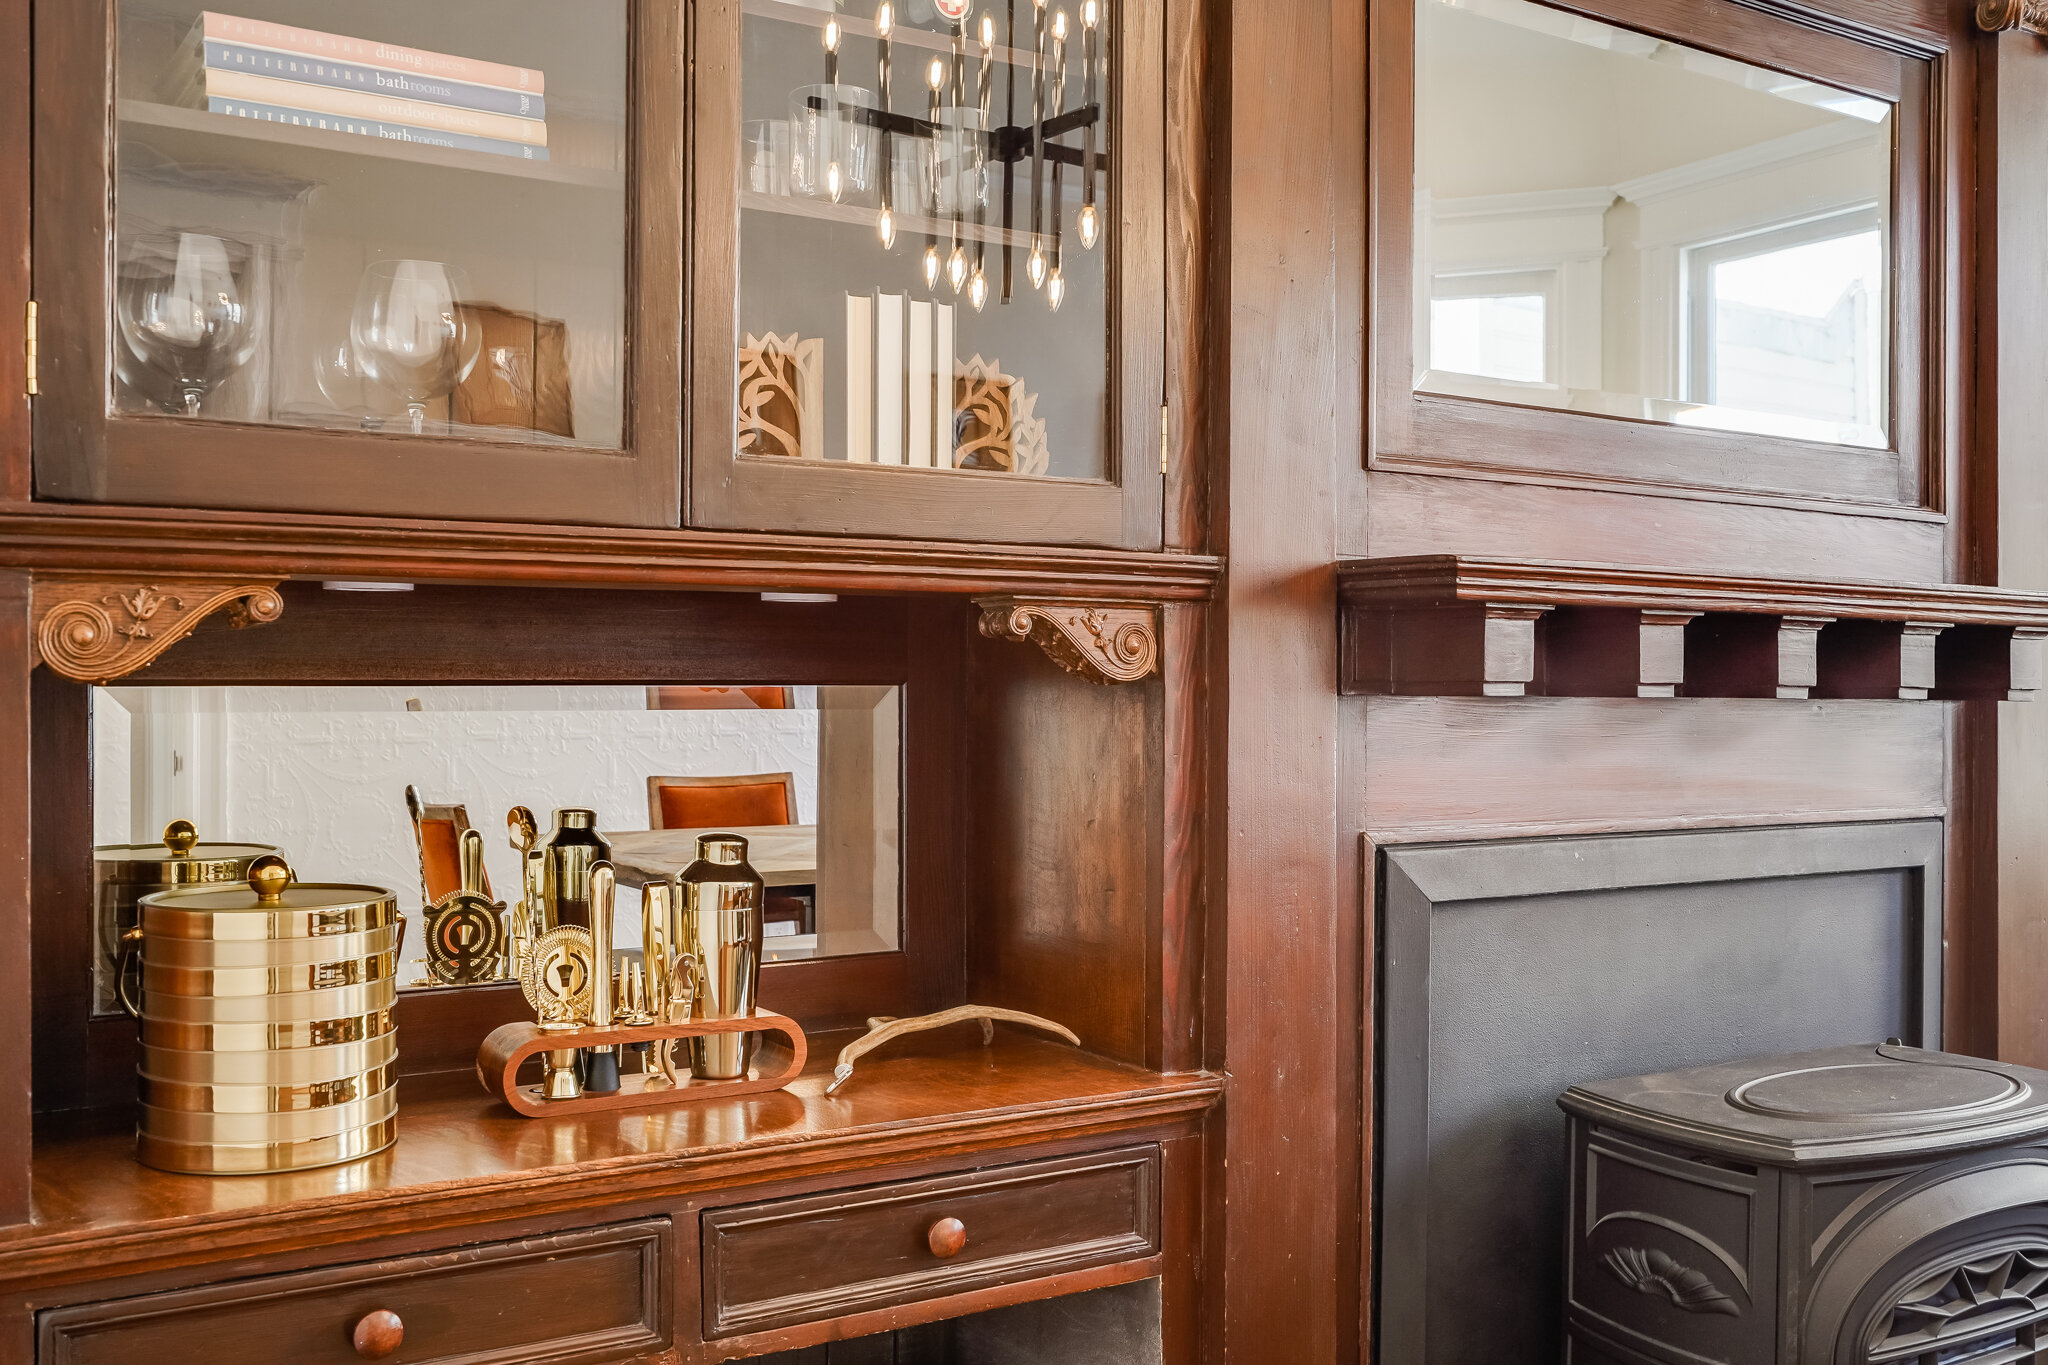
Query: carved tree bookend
{"type": "Point", "coordinates": [510, 1045]}
{"type": "Point", "coordinates": [94, 630]}
{"type": "Point", "coordinates": [885, 1030]}
{"type": "Point", "coordinates": [1994, 16]}
{"type": "Point", "coordinates": [1103, 642]}
{"type": "Point", "coordinates": [998, 423]}
{"type": "Point", "coordinates": [782, 396]}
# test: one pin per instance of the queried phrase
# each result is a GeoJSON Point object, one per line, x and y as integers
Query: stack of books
{"type": "Point", "coordinates": [250, 68]}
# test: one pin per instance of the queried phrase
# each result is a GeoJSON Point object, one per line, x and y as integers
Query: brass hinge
{"type": "Point", "coordinates": [1162, 438]}
{"type": "Point", "coordinates": [29, 344]}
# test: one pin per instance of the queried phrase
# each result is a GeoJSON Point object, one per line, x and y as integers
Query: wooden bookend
{"type": "Point", "coordinates": [507, 1049]}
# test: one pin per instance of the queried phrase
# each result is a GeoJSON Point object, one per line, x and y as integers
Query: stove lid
{"type": "Point", "coordinates": [1843, 1104]}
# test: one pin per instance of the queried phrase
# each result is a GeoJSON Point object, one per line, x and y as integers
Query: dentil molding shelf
{"type": "Point", "coordinates": [1447, 625]}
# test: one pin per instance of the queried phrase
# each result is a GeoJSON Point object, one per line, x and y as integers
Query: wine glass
{"type": "Point", "coordinates": [410, 334]}
{"type": "Point", "coordinates": [186, 307]}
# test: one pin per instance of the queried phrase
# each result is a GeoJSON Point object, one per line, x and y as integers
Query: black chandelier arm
{"type": "Point", "coordinates": [1006, 144]}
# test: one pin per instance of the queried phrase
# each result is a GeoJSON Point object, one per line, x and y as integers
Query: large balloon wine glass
{"type": "Point", "coordinates": [410, 334]}
{"type": "Point", "coordinates": [186, 307]}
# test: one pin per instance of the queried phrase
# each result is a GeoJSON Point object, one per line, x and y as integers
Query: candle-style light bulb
{"type": "Point", "coordinates": [832, 52]}
{"type": "Point", "coordinates": [1059, 27]}
{"type": "Point", "coordinates": [935, 74]}
{"type": "Point", "coordinates": [931, 266]}
{"type": "Point", "coordinates": [1055, 289]}
{"type": "Point", "coordinates": [885, 228]}
{"type": "Point", "coordinates": [832, 35]}
{"type": "Point", "coordinates": [956, 269]}
{"type": "Point", "coordinates": [988, 33]}
{"type": "Point", "coordinates": [833, 182]}
{"type": "Point", "coordinates": [1085, 224]}
{"type": "Point", "coordinates": [1035, 267]}
{"type": "Point", "coordinates": [977, 289]}
{"type": "Point", "coordinates": [1090, 14]}
{"type": "Point", "coordinates": [885, 18]}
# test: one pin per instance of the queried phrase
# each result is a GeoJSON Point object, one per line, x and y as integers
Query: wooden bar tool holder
{"type": "Point", "coordinates": [509, 1046]}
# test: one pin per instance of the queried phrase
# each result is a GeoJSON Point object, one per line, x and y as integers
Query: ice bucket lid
{"type": "Point", "coordinates": [270, 904]}
{"type": "Point", "coordinates": [179, 857]}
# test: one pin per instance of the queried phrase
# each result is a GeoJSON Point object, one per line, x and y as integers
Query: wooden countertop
{"type": "Point", "coordinates": [466, 1160]}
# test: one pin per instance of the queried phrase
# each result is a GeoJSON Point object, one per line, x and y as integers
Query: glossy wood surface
{"type": "Point", "coordinates": [605, 1292]}
{"type": "Point", "coordinates": [88, 537]}
{"type": "Point", "coordinates": [795, 1260]}
{"type": "Point", "coordinates": [467, 1159]}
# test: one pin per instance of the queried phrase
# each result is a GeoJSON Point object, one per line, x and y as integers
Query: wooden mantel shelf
{"type": "Point", "coordinates": [467, 1160]}
{"type": "Point", "coordinates": [1447, 625]}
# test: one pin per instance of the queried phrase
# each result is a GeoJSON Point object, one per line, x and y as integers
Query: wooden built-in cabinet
{"type": "Point", "coordinates": [630, 300]}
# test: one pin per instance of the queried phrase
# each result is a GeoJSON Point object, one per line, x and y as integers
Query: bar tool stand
{"type": "Point", "coordinates": [510, 1045]}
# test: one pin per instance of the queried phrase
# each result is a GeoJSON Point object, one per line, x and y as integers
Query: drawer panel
{"type": "Point", "coordinates": [594, 1295]}
{"type": "Point", "coordinates": [792, 1261]}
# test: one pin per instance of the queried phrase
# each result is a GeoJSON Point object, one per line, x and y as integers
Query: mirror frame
{"type": "Point", "coordinates": [449, 635]}
{"type": "Point", "coordinates": [1414, 432]}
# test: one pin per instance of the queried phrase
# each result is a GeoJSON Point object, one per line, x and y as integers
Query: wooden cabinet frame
{"type": "Point", "coordinates": [82, 451]}
{"type": "Point", "coordinates": [754, 493]}
{"type": "Point", "coordinates": [1428, 433]}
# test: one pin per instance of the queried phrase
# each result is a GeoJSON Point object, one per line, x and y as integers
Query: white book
{"type": "Point", "coordinates": [889, 378]}
{"type": "Point", "coordinates": [943, 445]}
{"type": "Point", "coordinates": [860, 378]}
{"type": "Point", "coordinates": [917, 373]}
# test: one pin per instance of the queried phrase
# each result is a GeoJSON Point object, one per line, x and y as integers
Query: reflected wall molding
{"type": "Point", "coordinates": [1104, 642]}
{"type": "Point", "coordinates": [94, 629]}
{"type": "Point", "coordinates": [1995, 16]}
{"type": "Point", "coordinates": [1446, 625]}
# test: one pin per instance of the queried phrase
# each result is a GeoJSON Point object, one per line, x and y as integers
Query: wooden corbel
{"type": "Point", "coordinates": [1996, 16]}
{"type": "Point", "coordinates": [1104, 642]}
{"type": "Point", "coordinates": [95, 629]}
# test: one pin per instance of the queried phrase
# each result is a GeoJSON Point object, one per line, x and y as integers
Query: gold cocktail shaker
{"type": "Point", "coordinates": [720, 912]}
{"type": "Point", "coordinates": [566, 854]}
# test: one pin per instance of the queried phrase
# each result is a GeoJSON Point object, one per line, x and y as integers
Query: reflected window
{"type": "Point", "coordinates": [1789, 323]}
{"type": "Point", "coordinates": [1612, 223]}
{"type": "Point", "coordinates": [1493, 325]}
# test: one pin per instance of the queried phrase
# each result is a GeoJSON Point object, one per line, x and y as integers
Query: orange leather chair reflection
{"type": "Point", "coordinates": [721, 802]}
{"type": "Point", "coordinates": [438, 831]}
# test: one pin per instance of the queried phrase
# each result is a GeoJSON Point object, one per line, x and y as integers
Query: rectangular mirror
{"type": "Point", "coordinates": [1614, 223]}
{"type": "Point", "coordinates": [810, 775]}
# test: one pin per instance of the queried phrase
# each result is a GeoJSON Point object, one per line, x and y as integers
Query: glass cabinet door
{"type": "Point", "coordinates": [380, 257]}
{"type": "Point", "coordinates": [929, 269]}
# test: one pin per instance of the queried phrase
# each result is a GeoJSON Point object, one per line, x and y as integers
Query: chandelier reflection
{"type": "Point", "coordinates": [954, 174]}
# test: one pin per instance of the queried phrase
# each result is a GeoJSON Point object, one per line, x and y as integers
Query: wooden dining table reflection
{"type": "Point", "coordinates": [784, 855]}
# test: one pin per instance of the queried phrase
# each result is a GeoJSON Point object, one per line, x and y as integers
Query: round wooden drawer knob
{"type": "Point", "coordinates": [379, 1334]}
{"type": "Point", "coordinates": [946, 1237]}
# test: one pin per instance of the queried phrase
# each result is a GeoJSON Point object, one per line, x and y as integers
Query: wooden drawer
{"type": "Point", "coordinates": [595, 1295]}
{"type": "Point", "coordinates": [791, 1261]}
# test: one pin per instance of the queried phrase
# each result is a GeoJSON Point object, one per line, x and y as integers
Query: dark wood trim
{"type": "Point", "coordinates": [832, 497]}
{"type": "Point", "coordinates": [284, 545]}
{"type": "Point", "coordinates": [1285, 1008]}
{"type": "Point", "coordinates": [1192, 122]}
{"type": "Point", "coordinates": [17, 891]}
{"type": "Point", "coordinates": [1436, 435]}
{"type": "Point", "coordinates": [16, 421]}
{"type": "Point", "coordinates": [83, 453]}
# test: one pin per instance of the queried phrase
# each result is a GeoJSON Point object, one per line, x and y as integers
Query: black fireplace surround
{"type": "Point", "coordinates": [1852, 1206]}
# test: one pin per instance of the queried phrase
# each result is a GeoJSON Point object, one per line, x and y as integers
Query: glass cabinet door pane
{"type": "Point", "coordinates": [1610, 222]}
{"type": "Point", "coordinates": [923, 234]}
{"type": "Point", "coordinates": [383, 216]}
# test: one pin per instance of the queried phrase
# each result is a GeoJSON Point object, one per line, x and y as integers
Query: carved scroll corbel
{"type": "Point", "coordinates": [1103, 642]}
{"type": "Point", "coordinates": [94, 629]}
{"type": "Point", "coordinates": [1994, 16]}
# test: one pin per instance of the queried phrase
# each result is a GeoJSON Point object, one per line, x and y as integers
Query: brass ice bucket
{"type": "Point", "coordinates": [124, 873]}
{"type": "Point", "coordinates": [268, 1040]}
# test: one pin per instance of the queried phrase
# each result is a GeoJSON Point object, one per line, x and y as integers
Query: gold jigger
{"type": "Point", "coordinates": [656, 930]}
